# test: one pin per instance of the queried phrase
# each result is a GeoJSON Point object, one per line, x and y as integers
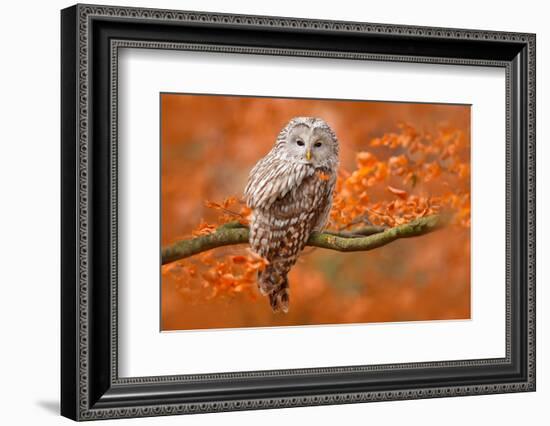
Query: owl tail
{"type": "Point", "coordinates": [274, 283]}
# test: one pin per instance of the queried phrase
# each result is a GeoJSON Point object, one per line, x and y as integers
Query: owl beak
{"type": "Point", "coordinates": [308, 155]}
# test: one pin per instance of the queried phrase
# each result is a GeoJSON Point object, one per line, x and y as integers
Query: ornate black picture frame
{"type": "Point", "coordinates": [91, 36]}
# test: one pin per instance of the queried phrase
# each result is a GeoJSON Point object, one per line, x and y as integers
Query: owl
{"type": "Point", "coordinates": [290, 194]}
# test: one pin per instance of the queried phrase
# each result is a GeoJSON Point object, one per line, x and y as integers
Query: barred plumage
{"type": "Point", "coordinates": [290, 192]}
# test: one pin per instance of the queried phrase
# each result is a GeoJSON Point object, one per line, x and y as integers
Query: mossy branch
{"type": "Point", "coordinates": [362, 239]}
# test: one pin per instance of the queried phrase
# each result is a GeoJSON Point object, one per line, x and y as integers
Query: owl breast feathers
{"type": "Point", "coordinates": [290, 194]}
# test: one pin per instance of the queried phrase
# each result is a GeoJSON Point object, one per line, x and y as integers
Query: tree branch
{"type": "Point", "coordinates": [362, 239]}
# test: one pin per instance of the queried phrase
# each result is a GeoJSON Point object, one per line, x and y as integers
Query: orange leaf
{"type": "Point", "coordinates": [365, 159]}
{"type": "Point", "coordinates": [229, 201]}
{"type": "Point", "coordinates": [165, 269]}
{"type": "Point", "coordinates": [323, 176]}
{"type": "Point", "coordinates": [398, 161]}
{"type": "Point", "coordinates": [210, 276]}
{"type": "Point", "coordinates": [212, 205]}
{"type": "Point", "coordinates": [399, 192]}
{"type": "Point", "coordinates": [364, 197]}
{"type": "Point", "coordinates": [204, 229]}
{"type": "Point", "coordinates": [239, 259]}
{"type": "Point", "coordinates": [192, 270]}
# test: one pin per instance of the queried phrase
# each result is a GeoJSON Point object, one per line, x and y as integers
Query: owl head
{"type": "Point", "coordinates": [309, 140]}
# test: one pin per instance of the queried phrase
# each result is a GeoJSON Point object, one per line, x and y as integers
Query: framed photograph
{"type": "Point", "coordinates": [263, 212]}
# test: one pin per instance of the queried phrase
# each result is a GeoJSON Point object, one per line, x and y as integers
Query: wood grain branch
{"type": "Point", "coordinates": [362, 239]}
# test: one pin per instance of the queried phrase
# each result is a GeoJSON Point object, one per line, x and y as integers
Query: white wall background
{"type": "Point", "coordinates": [29, 212]}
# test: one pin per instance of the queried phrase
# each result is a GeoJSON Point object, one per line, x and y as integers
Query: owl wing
{"type": "Point", "coordinates": [326, 204]}
{"type": "Point", "coordinates": [288, 222]}
{"type": "Point", "coordinates": [272, 179]}
{"type": "Point", "coordinates": [279, 231]}
{"type": "Point", "coordinates": [313, 198]}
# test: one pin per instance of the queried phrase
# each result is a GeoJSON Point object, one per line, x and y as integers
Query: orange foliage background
{"type": "Point", "coordinates": [399, 161]}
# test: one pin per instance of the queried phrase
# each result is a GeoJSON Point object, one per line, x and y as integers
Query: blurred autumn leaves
{"type": "Point", "coordinates": [432, 172]}
{"type": "Point", "coordinates": [399, 161]}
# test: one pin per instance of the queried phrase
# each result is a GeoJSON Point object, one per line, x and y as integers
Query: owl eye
{"type": "Point", "coordinates": [317, 144]}
{"type": "Point", "coordinates": [299, 142]}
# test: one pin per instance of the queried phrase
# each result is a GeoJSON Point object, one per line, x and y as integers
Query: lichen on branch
{"type": "Point", "coordinates": [361, 239]}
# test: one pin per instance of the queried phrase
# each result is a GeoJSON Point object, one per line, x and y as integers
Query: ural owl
{"type": "Point", "coordinates": [290, 194]}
